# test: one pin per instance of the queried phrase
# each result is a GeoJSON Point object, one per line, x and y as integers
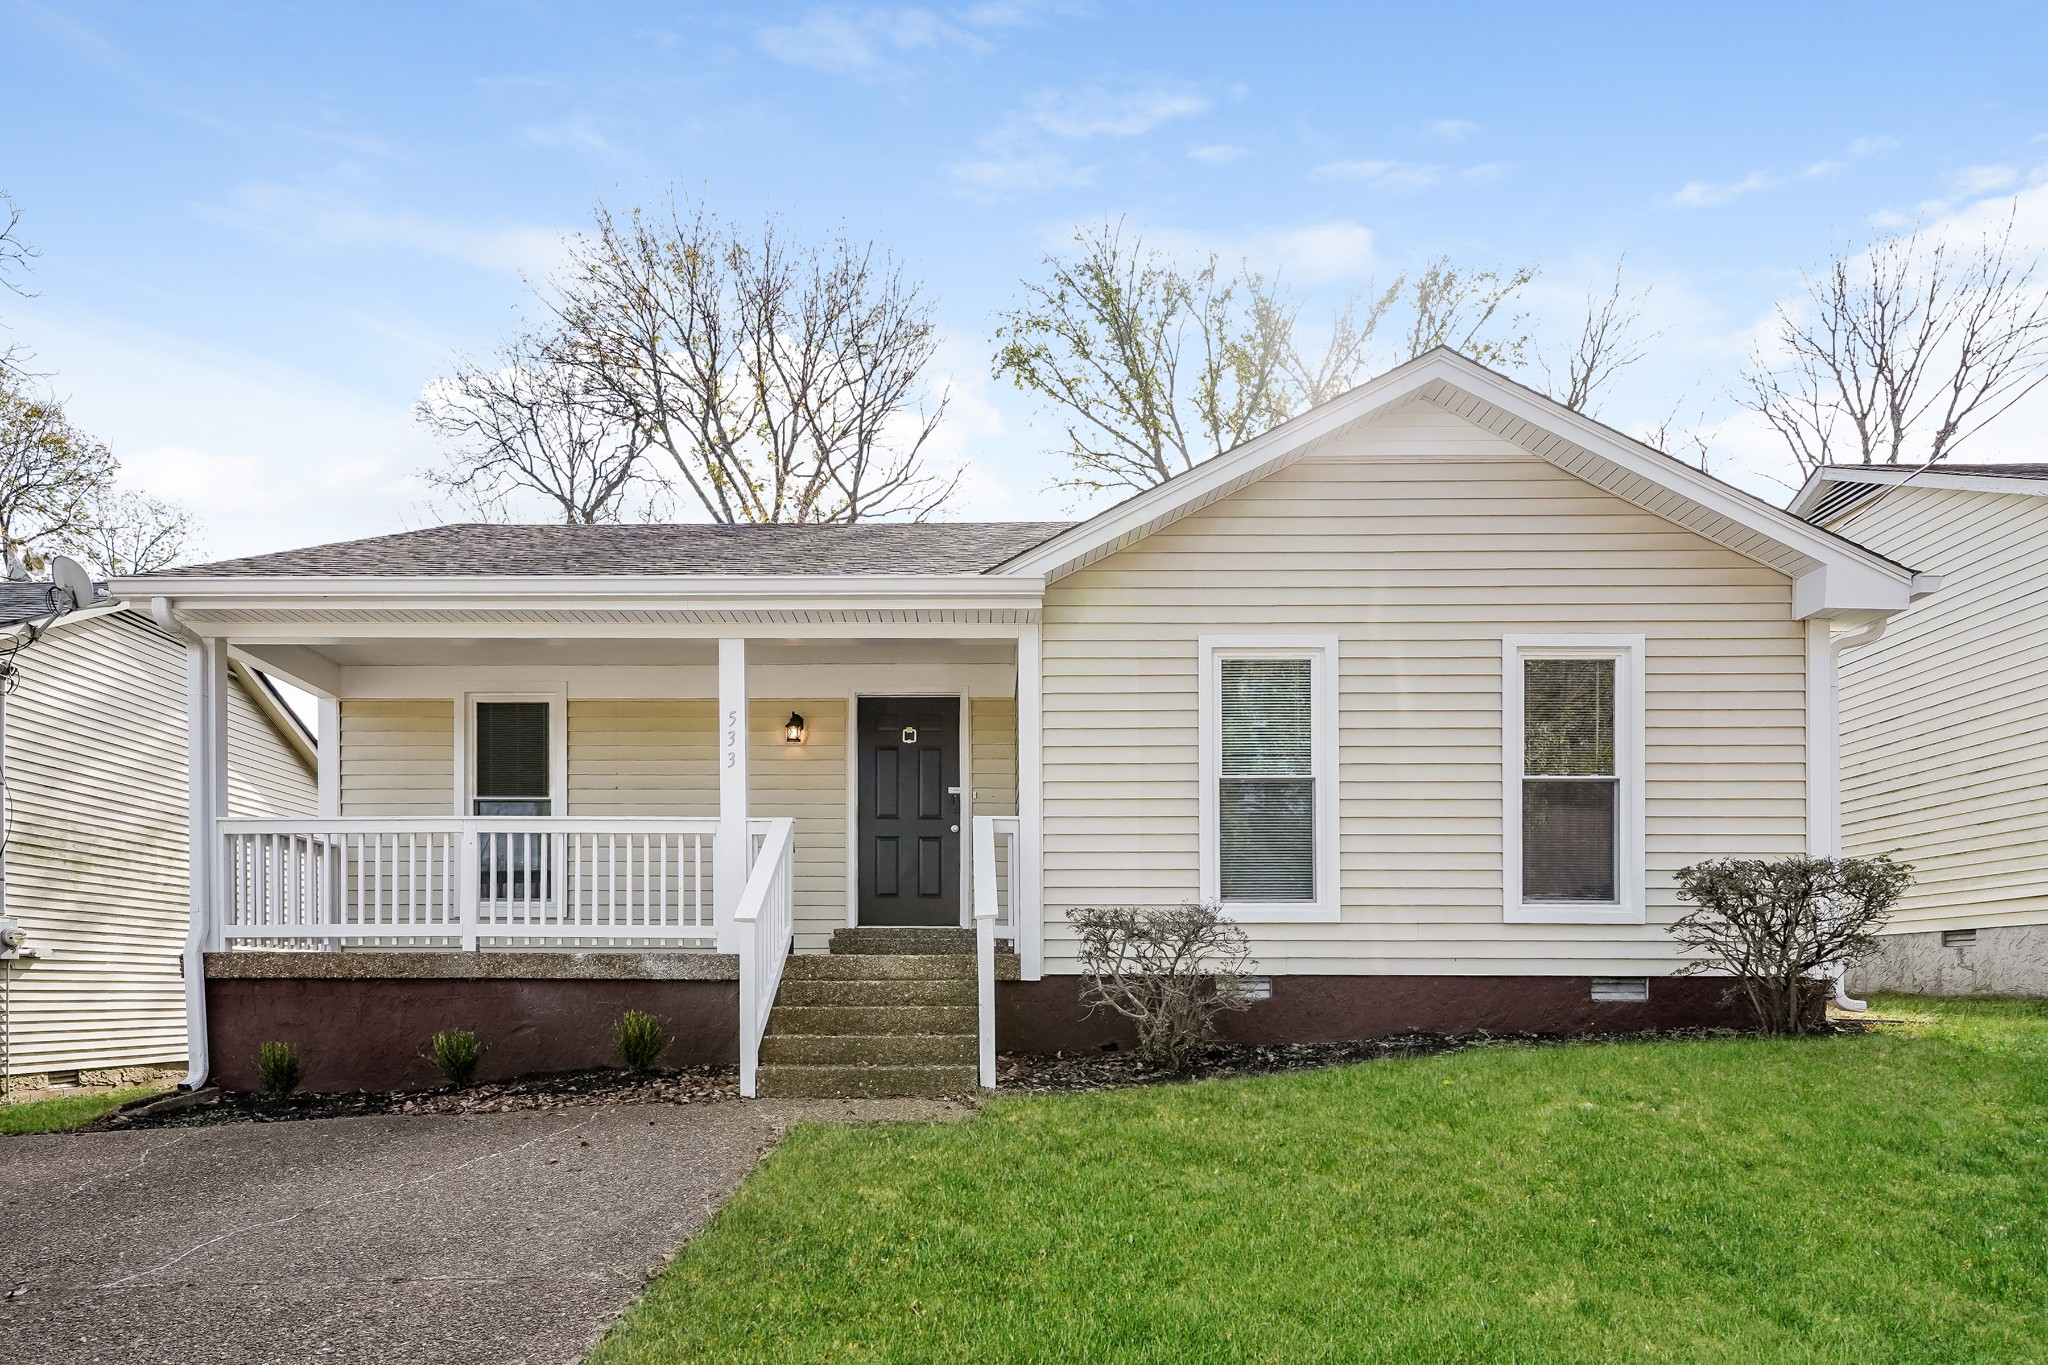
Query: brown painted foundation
{"type": "Point", "coordinates": [368, 1034]}
{"type": "Point", "coordinates": [1047, 1016]}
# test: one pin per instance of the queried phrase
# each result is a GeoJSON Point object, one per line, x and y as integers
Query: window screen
{"type": "Point", "coordinates": [512, 758]}
{"type": "Point", "coordinates": [1570, 787]}
{"type": "Point", "coordinates": [1266, 802]}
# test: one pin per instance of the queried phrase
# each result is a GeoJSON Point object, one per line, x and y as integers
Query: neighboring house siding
{"type": "Point", "coordinates": [398, 758]}
{"type": "Point", "coordinates": [1418, 541]}
{"type": "Point", "coordinates": [1945, 717]}
{"type": "Point", "coordinates": [96, 855]}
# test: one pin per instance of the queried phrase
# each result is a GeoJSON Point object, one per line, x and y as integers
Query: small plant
{"type": "Point", "coordinates": [1783, 927]}
{"type": "Point", "coordinates": [456, 1054]}
{"type": "Point", "coordinates": [279, 1069]}
{"type": "Point", "coordinates": [1170, 970]}
{"type": "Point", "coordinates": [641, 1040]}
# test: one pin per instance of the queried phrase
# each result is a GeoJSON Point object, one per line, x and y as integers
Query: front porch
{"type": "Point", "coordinates": [666, 795]}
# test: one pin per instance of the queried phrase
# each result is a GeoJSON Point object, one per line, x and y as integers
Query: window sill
{"type": "Point", "coordinates": [1302, 912]}
{"type": "Point", "coordinates": [1566, 912]}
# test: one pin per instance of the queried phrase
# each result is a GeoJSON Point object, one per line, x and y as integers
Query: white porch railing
{"type": "Point", "coordinates": [766, 925]}
{"type": "Point", "coordinates": [995, 912]}
{"type": "Point", "coordinates": [611, 882]}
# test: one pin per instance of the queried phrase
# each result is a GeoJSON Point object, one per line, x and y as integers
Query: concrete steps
{"type": "Point", "coordinates": [888, 1012]}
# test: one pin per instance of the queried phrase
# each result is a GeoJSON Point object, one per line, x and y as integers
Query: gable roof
{"type": "Point", "coordinates": [24, 602]}
{"type": "Point", "coordinates": [1834, 490]}
{"type": "Point", "coordinates": [555, 551]}
{"type": "Point", "coordinates": [1832, 575]}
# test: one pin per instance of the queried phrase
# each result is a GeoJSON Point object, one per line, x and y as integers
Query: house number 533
{"type": "Point", "coordinates": [732, 738]}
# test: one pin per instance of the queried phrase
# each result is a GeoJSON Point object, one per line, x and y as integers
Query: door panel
{"type": "Point", "coordinates": [909, 818]}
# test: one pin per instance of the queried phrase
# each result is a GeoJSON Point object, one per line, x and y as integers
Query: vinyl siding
{"type": "Point", "coordinates": [1944, 717]}
{"type": "Point", "coordinates": [398, 757]}
{"type": "Point", "coordinates": [96, 855]}
{"type": "Point", "coordinates": [654, 757]}
{"type": "Point", "coordinates": [1419, 541]}
{"type": "Point", "coordinates": [805, 782]}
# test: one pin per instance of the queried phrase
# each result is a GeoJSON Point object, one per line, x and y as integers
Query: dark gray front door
{"type": "Point", "coordinates": [909, 825]}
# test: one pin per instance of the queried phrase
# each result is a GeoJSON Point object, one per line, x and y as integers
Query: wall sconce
{"type": "Point", "coordinates": [793, 732]}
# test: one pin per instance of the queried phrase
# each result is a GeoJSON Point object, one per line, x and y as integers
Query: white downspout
{"type": "Point", "coordinates": [205, 674]}
{"type": "Point", "coordinates": [1824, 655]}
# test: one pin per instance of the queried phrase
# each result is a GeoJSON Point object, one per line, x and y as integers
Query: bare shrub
{"type": "Point", "coordinates": [641, 1039]}
{"type": "Point", "coordinates": [456, 1054]}
{"type": "Point", "coordinates": [1168, 969]}
{"type": "Point", "coordinates": [1780, 926]}
{"type": "Point", "coordinates": [279, 1069]}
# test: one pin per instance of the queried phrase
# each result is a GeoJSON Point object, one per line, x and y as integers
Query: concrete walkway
{"type": "Point", "coordinates": [486, 1238]}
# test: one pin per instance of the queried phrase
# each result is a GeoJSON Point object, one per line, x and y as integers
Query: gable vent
{"type": "Point", "coordinates": [1841, 498]}
{"type": "Point", "coordinates": [1619, 989]}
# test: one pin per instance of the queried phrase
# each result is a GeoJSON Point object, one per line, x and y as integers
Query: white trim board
{"type": "Point", "coordinates": [1631, 857]}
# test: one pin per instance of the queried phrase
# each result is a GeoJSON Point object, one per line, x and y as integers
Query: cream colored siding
{"type": "Point", "coordinates": [96, 856]}
{"type": "Point", "coordinates": [805, 782]}
{"type": "Point", "coordinates": [643, 758]}
{"type": "Point", "coordinates": [1945, 717]}
{"type": "Point", "coordinates": [398, 757]}
{"type": "Point", "coordinates": [992, 735]}
{"type": "Point", "coordinates": [1419, 542]}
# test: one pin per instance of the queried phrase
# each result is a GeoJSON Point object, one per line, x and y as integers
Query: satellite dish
{"type": "Point", "coordinates": [70, 576]}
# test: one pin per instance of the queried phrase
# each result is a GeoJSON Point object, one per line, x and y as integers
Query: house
{"type": "Point", "coordinates": [1945, 721]}
{"type": "Point", "coordinates": [1433, 687]}
{"type": "Point", "coordinates": [98, 830]}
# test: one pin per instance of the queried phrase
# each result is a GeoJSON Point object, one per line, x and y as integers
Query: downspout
{"type": "Point", "coordinates": [1838, 647]}
{"type": "Point", "coordinates": [198, 1064]}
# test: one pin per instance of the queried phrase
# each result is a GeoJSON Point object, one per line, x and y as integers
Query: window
{"type": "Point", "coordinates": [1268, 785]}
{"type": "Point", "coordinates": [512, 743]}
{"type": "Point", "coordinates": [1573, 788]}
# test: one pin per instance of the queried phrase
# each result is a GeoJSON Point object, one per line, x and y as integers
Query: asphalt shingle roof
{"type": "Point", "coordinates": [31, 601]}
{"type": "Point", "coordinates": [2012, 471]}
{"type": "Point", "coordinates": [481, 549]}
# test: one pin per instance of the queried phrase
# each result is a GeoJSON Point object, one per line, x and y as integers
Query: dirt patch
{"type": "Point", "coordinates": [565, 1090]}
{"type": "Point", "coordinates": [1060, 1073]}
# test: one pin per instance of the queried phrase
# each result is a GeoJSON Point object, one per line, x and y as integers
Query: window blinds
{"type": "Point", "coordinates": [511, 757]}
{"type": "Point", "coordinates": [1266, 798]}
{"type": "Point", "coordinates": [1570, 789]}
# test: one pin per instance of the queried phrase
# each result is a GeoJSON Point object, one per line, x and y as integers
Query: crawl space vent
{"type": "Point", "coordinates": [1958, 938]}
{"type": "Point", "coordinates": [1621, 988]}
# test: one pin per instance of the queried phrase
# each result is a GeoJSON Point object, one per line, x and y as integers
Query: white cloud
{"type": "Point", "coordinates": [866, 45]}
{"type": "Point", "coordinates": [574, 133]}
{"type": "Point", "coordinates": [1390, 175]}
{"type": "Point", "coordinates": [1971, 181]}
{"type": "Point", "coordinates": [1483, 174]}
{"type": "Point", "coordinates": [1002, 174]}
{"type": "Point", "coordinates": [1451, 129]}
{"type": "Point", "coordinates": [1871, 146]}
{"type": "Point", "coordinates": [1702, 194]}
{"type": "Point", "coordinates": [1338, 250]}
{"type": "Point", "coordinates": [1217, 154]}
{"type": "Point", "coordinates": [1097, 111]}
{"type": "Point", "coordinates": [308, 216]}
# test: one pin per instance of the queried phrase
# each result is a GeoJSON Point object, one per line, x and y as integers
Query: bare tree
{"type": "Point", "coordinates": [1607, 344]}
{"type": "Point", "coordinates": [528, 425]}
{"type": "Point", "coordinates": [1347, 356]}
{"type": "Point", "coordinates": [1688, 441]}
{"type": "Point", "coordinates": [15, 256]}
{"type": "Point", "coordinates": [132, 533]}
{"type": "Point", "coordinates": [783, 383]}
{"type": "Point", "coordinates": [1460, 308]}
{"type": "Point", "coordinates": [53, 478]}
{"type": "Point", "coordinates": [1901, 352]}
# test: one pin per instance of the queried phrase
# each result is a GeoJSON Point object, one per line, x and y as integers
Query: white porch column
{"type": "Point", "coordinates": [1823, 742]}
{"type": "Point", "coordinates": [731, 859]}
{"type": "Point", "coordinates": [206, 748]}
{"type": "Point", "coordinates": [1030, 914]}
{"type": "Point", "coordinates": [328, 774]}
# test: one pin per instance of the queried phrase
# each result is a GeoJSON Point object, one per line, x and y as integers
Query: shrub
{"type": "Point", "coordinates": [641, 1040]}
{"type": "Point", "coordinates": [1782, 927]}
{"type": "Point", "coordinates": [456, 1054]}
{"type": "Point", "coordinates": [279, 1069]}
{"type": "Point", "coordinates": [1169, 970]}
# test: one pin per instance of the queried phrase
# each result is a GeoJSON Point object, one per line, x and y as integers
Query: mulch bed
{"type": "Point", "coordinates": [565, 1090]}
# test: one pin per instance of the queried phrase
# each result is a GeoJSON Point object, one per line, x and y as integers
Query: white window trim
{"type": "Point", "coordinates": [558, 748]}
{"type": "Point", "coordinates": [1321, 652]}
{"type": "Point", "coordinates": [1627, 652]}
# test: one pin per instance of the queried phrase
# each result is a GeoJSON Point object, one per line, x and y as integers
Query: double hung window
{"type": "Point", "coordinates": [1268, 798]}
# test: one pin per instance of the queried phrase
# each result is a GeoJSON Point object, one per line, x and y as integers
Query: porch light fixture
{"type": "Point", "coordinates": [793, 731]}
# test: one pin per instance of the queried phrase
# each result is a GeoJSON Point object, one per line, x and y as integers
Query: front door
{"type": "Point", "coordinates": [909, 827]}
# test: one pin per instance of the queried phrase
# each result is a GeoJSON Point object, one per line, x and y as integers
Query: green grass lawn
{"type": "Point", "coordinates": [68, 1111]}
{"type": "Point", "coordinates": [1862, 1199]}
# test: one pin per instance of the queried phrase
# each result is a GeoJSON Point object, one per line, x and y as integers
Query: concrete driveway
{"type": "Point", "coordinates": [489, 1238]}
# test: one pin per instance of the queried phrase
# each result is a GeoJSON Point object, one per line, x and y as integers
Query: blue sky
{"type": "Point", "coordinates": [264, 227]}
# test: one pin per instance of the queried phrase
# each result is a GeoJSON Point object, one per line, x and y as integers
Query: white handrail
{"type": "Point", "coordinates": [766, 922]}
{"type": "Point", "coordinates": [987, 911]}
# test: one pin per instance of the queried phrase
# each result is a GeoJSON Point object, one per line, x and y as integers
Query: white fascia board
{"type": "Point", "coordinates": [19, 630]}
{"type": "Point", "coordinates": [1913, 476]}
{"type": "Point", "coordinates": [1255, 459]}
{"type": "Point", "coordinates": [741, 592]}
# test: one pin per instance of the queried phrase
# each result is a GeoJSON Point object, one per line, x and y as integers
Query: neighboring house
{"type": "Point", "coordinates": [1945, 721]}
{"type": "Point", "coordinates": [98, 829]}
{"type": "Point", "coordinates": [1434, 688]}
